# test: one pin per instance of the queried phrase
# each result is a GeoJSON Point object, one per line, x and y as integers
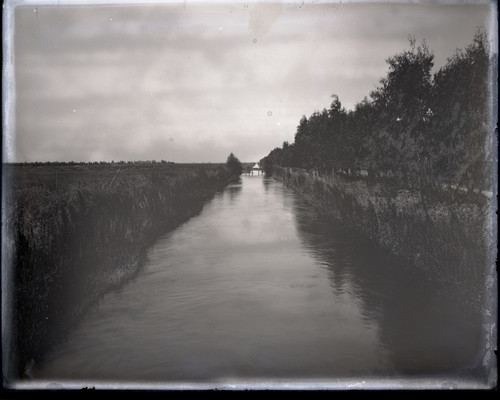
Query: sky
{"type": "Point", "coordinates": [195, 81]}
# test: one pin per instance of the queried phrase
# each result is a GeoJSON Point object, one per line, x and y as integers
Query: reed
{"type": "Point", "coordinates": [446, 233]}
{"type": "Point", "coordinates": [72, 240]}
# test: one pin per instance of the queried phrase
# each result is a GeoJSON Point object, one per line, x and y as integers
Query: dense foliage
{"type": "Point", "coordinates": [417, 128]}
{"type": "Point", "coordinates": [410, 168]}
{"type": "Point", "coordinates": [234, 165]}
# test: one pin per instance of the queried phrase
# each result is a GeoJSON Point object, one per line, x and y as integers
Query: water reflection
{"type": "Point", "coordinates": [233, 190]}
{"type": "Point", "coordinates": [425, 332]}
{"type": "Point", "coordinates": [267, 181]}
{"type": "Point", "coordinates": [258, 286]}
{"type": "Point", "coordinates": [232, 293]}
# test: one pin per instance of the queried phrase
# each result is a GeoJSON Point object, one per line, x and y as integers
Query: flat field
{"type": "Point", "coordinates": [65, 175]}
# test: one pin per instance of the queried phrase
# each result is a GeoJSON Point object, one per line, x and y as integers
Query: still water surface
{"type": "Point", "coordinates": [257, 286]}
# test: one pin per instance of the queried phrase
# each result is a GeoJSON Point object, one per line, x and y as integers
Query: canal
{"type": "Point", "coordinates": [258, 289]}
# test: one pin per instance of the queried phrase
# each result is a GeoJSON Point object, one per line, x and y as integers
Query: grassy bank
{"type": "Point", "coordinates": [448, 234]}
{"type": "Point", "coordinates": [72, 232]}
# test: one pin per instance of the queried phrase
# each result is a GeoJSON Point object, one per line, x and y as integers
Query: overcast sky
{"type": "Point", "coordinates": [192, 82]}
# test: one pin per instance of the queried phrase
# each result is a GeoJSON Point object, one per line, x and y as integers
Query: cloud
{"type": "Point", "coordinates": [195, 82]}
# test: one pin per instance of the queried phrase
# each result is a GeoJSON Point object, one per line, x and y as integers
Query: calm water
{"type": "Point", "coordinates": [259, 288]}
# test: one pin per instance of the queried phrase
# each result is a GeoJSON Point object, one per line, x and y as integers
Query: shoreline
{"type": "Point", "coordinates": [69, 242]}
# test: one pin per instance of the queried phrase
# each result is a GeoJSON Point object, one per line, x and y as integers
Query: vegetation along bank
{"type": "Point", "coordinates": [411, 167]}
{"type": "Point", "coordinates": [75, 230]}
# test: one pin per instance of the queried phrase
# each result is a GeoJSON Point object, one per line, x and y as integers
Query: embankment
{"type": "Point", "coordinates": [66, 245]}
{"type": "Point", "coordinates": [447, 234]}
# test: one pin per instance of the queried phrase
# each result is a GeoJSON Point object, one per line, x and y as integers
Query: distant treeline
{"type": "Point", "coordinates": [417, 128]}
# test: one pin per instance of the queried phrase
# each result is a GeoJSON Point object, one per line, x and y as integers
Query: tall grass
{"type": "Point", "coordinates": [446, 233]}
{"type": "Point", "coordinates": [69, 243]}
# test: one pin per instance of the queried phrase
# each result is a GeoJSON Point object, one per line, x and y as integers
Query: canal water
{"type": "Point", "coordinates": [256, 289]}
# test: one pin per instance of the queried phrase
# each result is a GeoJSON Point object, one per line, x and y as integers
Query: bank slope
{"type": "Point", "coordinates": [72, 232]}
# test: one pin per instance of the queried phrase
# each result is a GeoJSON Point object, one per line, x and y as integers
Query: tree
{"type": "Point", "coordinates": [234, 165]}
{"type": "Point", "coordinates": [462, 121]}
{"type": "Point", "coordinates": [337, 142]}
{"type": "Point", "coordinates": [402, 104]}
{"type": "Point", "coordinates": [360, 123]}
{"type": "Point", "coordinates": [420, 128]}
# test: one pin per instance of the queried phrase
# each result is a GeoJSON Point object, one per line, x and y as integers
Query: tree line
{"type": "Point", "coordinates": [416, 128]}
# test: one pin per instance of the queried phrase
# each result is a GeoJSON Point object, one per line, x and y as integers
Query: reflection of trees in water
{"type": "Point", "coordinates": [267, 183]}
{"type": "Point", "coordinates": [233, 190]}
{"type": "Point", "coordinates": [425, 332]}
